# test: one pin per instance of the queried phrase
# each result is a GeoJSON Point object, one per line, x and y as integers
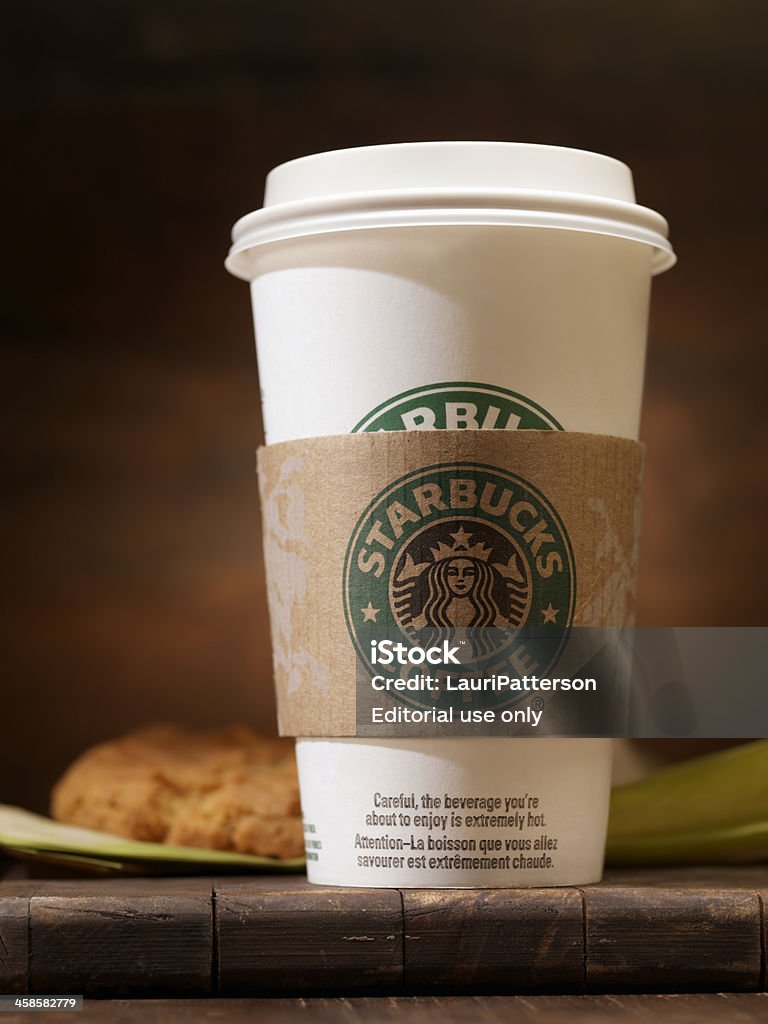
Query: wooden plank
{"type": "Point", "coordinates": [762, 895]}
{"type": "Point", "coordinates": [14, 916]}
{"type": "Point", "coordinates": [152, 936]}
{"type": "Point", "coordinates": [286, 937]}
{"type": "Point", "coordinates": [15, 894]}
{"type": "Point", "coordinates": [282, 936]}
{"type": "Point", "coordinates": [502, 940]}
{"type": "Point", "coordinates": [657, 940]}
{"type": "Point", "coordinates": [597, 1009]}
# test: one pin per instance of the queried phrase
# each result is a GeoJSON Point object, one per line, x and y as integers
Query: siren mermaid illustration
{"type": "Point", "coordinates": [460, 594]}
{"type": "Point", "coordinates": [460, 588]}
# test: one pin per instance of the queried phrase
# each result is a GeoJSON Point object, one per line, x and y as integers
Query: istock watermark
{"type": "Point", "coordinates": [608, 681]}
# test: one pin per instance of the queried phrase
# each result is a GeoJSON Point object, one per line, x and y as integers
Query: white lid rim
{"type": "Point", "coordinates": [419, 199]}
{"type": "Point", "coordinates": [250, 233]}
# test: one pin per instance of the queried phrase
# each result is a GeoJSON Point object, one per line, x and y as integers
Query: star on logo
{"type": "Point", "coordinates": [550, 614]}
{"type": "Point", "coordinates": [370, 613]}
{"type": "Point", "coordinates": [462, 538]}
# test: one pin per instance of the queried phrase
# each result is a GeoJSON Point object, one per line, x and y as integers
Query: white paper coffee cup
{"type": "Point", "coordinates": [531, 811]}
{"type": "Point", "coordinates": [451, 285]}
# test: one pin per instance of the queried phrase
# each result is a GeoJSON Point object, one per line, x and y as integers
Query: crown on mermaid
{"type": "Point", "coordinates": [461, 549]}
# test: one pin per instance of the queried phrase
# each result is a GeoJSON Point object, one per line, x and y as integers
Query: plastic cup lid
{"type": "Point", "coordinates": [442, 183]}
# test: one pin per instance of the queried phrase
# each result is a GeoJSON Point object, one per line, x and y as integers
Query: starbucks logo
{"type": "Point", "coordinates": [461, 573]}
{"type": "Point", "coordinates": [467, 553]}
{"type": "Point", "coordinates": [458, 405]}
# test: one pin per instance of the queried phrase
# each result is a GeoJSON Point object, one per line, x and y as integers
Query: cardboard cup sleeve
{"type": "Point", "coordinates": [361, 531]}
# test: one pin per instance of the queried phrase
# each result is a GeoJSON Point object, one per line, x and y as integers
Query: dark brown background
{"type": "Point", "coordinates": [137, 132]}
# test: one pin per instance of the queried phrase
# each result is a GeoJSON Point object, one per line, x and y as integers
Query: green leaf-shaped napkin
{"type": "Point", "coordinates": [32, 836]}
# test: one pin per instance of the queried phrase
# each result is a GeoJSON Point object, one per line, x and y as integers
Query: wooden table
{"type": "Point", "coordinates": [584, 1009]}
{"type": "Point", "coordinates": [694, 931]}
